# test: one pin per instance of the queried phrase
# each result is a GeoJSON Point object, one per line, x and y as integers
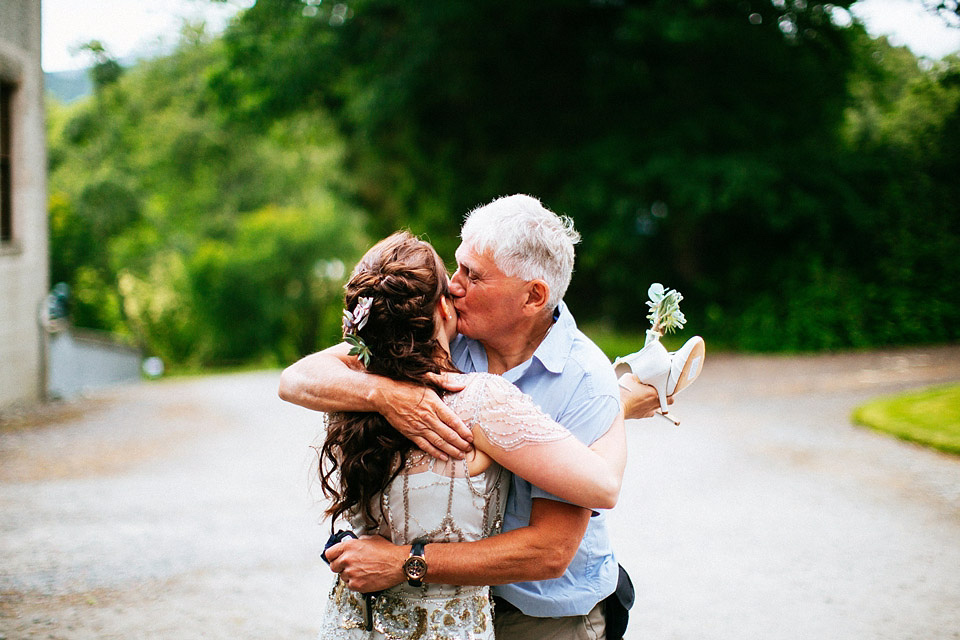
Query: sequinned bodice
{"type": "Point", "coordinates": [439, 501]}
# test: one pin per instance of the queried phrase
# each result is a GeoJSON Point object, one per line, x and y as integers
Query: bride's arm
{"type": "Point", "coordinates": [512, 430]}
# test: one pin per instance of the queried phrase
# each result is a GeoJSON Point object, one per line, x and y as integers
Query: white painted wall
{"type": "Point", "coordinates": [23, 262]}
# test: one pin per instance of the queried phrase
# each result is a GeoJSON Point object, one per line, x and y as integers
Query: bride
{"type": "Point", "coordinates": [399, 323]}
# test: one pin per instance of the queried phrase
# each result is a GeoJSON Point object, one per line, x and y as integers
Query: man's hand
{"type": "Point", "coordinates": [639, 400]}
{"type": "Point", "coordinates": [420, 415]}
{"type": "Point", "coordinates": [333, 380]}
{"type": "Point", "coordinates": [371, 563]}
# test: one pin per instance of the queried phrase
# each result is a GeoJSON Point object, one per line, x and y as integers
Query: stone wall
{"type": "Point", "coordinates": [23, 258]}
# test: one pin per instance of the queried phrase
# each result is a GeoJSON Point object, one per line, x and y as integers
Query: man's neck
{"type": "Point", "coordinates": [518, 346]}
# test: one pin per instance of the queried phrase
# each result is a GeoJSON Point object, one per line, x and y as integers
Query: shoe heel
{"type": "Point", "coordinates": [660, 384]}
{"type": "Point", "coordinates": [670, 417]}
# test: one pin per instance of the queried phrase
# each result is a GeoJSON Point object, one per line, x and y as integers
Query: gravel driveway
{"type": "Point", "coordinates": [185, 509]}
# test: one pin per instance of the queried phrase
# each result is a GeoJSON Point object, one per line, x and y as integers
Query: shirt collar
{"type": "Point", "coordinates": [552, 353]}
{"type": "Point", "coordinates": [555, 348]}
{"type": "Point", "coordinates": [476, 355]}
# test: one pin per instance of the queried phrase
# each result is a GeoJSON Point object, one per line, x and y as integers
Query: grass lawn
{"type": "Point", "coordinates": [930, 417]}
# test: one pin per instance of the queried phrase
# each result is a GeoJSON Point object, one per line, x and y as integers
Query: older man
{"type": "Point", "coordinates": [553, 561]}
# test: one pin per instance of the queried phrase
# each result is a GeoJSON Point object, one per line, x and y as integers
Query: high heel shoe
{"type": "Point", "coordinates": [651, 365]}
{"type": "Point", "coordinates": [667, 373]}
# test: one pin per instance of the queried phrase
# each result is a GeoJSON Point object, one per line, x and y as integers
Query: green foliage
{"type": "Point", "coordinates": [901, 161]}
{"type": "Point", "coordinates": [694, 143]}
{"type": "Point", "coordinates": [358, 348]}
{"type": "Point", "coordinates": [930, 417]}
{"type": "Point", "coordinates": [95, 302]}
{"type": "Point", "coordinates": [274, 287]}
{"type": "Point", "coordinates": [193, 233]}
{"type": "Point", "coordinates": [615, 342]}
{"type": "Point", "coordinates": [106, 70]}
{"type": "Point", "coordinates": [794, 178]}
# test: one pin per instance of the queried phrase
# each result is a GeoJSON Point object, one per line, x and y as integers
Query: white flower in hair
{"type": "Point", "coordinates": [352, 323]}
{"type": "Point", "coordinates": [357, 320]}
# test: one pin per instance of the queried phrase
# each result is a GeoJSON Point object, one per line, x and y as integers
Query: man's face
{"type": "Point", "coordinates": [488, 301]}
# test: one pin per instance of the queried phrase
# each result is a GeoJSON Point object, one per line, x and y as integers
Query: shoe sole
{"type": "Point", "coordinates": [691, 368]}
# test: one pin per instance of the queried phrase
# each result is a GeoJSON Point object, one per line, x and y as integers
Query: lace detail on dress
{"type": "Point", "coordinates": [507, 416]}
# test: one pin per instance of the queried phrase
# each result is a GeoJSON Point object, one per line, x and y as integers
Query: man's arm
{"type": "Point", "coordinates": [332, 380]}
{"type": "Point", "coordinates": [539, 551]}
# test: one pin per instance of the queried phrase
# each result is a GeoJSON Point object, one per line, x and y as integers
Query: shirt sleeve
{"type": "Point", "coordinates": [587, 420]}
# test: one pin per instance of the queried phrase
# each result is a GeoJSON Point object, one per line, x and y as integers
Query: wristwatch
{"type": "Point", "coordinates": [415, 567]}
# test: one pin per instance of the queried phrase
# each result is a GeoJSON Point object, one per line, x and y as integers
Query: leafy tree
{"type": "Point", "coordinates": [166, 212]}
{"type": "Point", "coordinates": [792, 176]}
{"type": "Point", "coordinates": [105, 70]}
{"type": "Point", "coordinates": [274, 288]}
{"type": "Point", "coordinates": [692, 142]}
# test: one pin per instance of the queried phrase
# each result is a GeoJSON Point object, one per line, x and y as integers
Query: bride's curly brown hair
{"type": "Point", "coordinates": [362, 453]}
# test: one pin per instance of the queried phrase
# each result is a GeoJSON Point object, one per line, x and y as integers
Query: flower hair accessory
{"type": "Point", "coordinates": [353, 322]}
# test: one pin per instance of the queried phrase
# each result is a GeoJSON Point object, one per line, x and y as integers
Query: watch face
{"type": "Point", "coordinates": [415, 568]}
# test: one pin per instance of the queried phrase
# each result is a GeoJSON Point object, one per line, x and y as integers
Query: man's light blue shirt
{"type": "Point", "coordinates": [571, 379]}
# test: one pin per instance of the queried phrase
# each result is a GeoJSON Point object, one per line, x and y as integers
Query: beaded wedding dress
{"type": "Point", "coordinates": [439, 501]}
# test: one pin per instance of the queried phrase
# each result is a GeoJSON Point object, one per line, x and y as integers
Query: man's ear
{"type": "Point", "coordinates": [538, 294]}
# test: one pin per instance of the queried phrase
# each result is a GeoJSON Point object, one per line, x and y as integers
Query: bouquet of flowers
{"type": "Point", "coordinates": [665, 315]}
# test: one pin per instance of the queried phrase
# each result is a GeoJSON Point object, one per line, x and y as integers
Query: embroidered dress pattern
{"type": "Point", "coordinates": [440, 502]}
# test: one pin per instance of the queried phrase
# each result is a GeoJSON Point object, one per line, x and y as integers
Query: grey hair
{"type": "Point", "coordinates": [526, 240]}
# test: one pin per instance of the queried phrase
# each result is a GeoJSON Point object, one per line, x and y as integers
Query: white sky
{"type": "Point", "coordinates": [139, 27]}
{"type": "Point", "coordinates": [125, 27]}
{"type": "Point", "coordinates": [906, 22]}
